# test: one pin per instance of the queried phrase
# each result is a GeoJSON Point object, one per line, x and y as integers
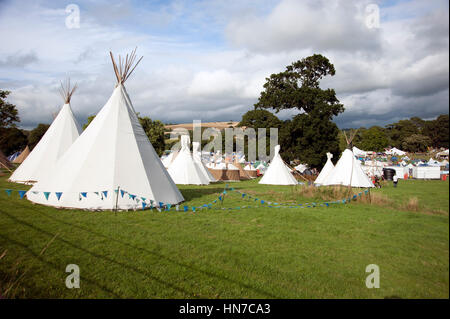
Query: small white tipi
{"type": "Point", "coordinates": [112, 164]}
{"type": "Point", "coordinates": [278, 173]}
{"type": "Point", "coordinates": [58, 138]}
{"type": "Point", "coordinates": [168, 159]}
{"type": "Point", "coordinates": [348, 170]}
{"type": "Point", "coordinates": [326, 170]}
{"type": "Point", "coordinates": [183, 169]}
{"type": "Point", "coordinates": [197, 156]}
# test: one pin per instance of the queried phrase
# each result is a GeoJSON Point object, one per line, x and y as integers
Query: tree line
{"type": "Point", "coordinates": [411, 135]}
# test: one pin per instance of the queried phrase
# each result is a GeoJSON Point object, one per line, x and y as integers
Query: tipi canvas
{"type": "Point", "coordinates": [348, 172]}
{"type": "Point", "coordinates": [278, 173]}
{"type": "Point", "coordinates": [112, 164]}
{"type": "Point", "coordinates": [4, 163]}
{"type": "Point", "coordinates": [59, 136]}
{"type": "Point", "coordinates": [196, 155]}
{"type": "Point", "coordinates": [183, 169]}
{"type": "Point", "coordinates": [326, 170]}
{"type": "Point", "coordinates": [22, 156]}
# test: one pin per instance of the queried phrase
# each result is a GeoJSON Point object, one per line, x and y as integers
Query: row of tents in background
{"type": "Point", "coordinates": [405, 167]}
{"type": "Point", "coordinates": [187, 168]}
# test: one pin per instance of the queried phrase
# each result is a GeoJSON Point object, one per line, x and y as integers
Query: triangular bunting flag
{"type": "Point", "coordinates": [22, 193]}
{"type": "Point", "coordinates": [46, 194]}
{"type": "Point", "coordinates": [58, 195]}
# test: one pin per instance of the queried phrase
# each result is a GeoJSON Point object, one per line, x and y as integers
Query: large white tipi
{"type": "Point", "coordinates": [326, 170]}
{"type": "Point", "coordinates": [112, 164]}
{"type": "Point", "coordinates": [58, 138]}
{"type": "Point", "coordinates": [348, 170]}
{"type": "Point", "coordinates": [183, 169]}
{"type": "Point", "coordinates": [278, 173]}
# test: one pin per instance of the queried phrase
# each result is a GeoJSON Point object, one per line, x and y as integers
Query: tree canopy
{"type": "Point", "coordinates": [298, 87]}
{"type": "Point", "coordinates": [416, 143]}
{"type": "Point", "coordinates": [373, 139]}
{"type": "Point", "coordinates": [9, 115]}
{"type": "Point", "coordinates": [155, 132]}
{"type": "Point", "coordinates": [311, 134]}
{"type": "Point", "coordinates": [438, 131]}
{"type": "Point", "coordinates": [12, 140]}
{"type": "Point", "coordinates": [260, 119]}
{"type": "Point", "coordinates": [309, 138]}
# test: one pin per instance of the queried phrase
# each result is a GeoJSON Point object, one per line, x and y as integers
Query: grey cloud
{"type": "Point", "coordinates": [318, 25]}
{"type": "Point", "coordinates": [424, 107]}
{"type": "Point", "coordinates": [19, 60]}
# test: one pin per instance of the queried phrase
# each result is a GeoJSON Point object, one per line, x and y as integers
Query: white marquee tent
{"type": "Point", "coordinates": [395, 151]}
{"type": "Point", "coordinates": [359, 152]}
{"type": "Point", "coordinates": [112, 164]}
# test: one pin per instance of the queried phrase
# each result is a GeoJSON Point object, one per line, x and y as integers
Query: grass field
{"type": "Point", "coordinates": [248, 253]}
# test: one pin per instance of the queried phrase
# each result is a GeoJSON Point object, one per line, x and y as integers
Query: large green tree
{"type": "Point", "coordinates": [303, 138]}
{"type": "Point", "coordinates": [256, 119]}
{"type": "Point", "coordinates": [416, 143]}
{"type": "Point", "coordinates": [155, 132]}
{"type": "Point", "coordinates": [9, 115]}
{"type": "Point", "coordinates": [311, 134]}
{"type": "Point", "coordinates": [438, 131]}
{"type": "Point", "coordinates": [36, 134]}
{"type": "Point", "coordinates": [12, 140]}
{"type": "Point", "coordinates": [298, 87]}
{"type": "Point", "coordinates": [260, 119]}
{"type": "Point", "coordinates": [397, 132]}
{"type": "Point", "coordinates": [372, 139]}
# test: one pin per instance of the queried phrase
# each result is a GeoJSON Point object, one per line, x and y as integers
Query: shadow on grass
{"type": "Point", "coordinates": [192, 193]}
{"type": "Point", "coordinates": [100, 256]}
{"type": "Point", "coordinates": [54, 266]}
{"type": "Point", "coordinates": [160, 256]}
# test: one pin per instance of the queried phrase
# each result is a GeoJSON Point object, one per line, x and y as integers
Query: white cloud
{"type": "Point", "coordinates": [189, 71]}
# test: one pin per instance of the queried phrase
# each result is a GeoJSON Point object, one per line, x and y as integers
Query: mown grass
{"type": "Point", "coordinates": [248, 253]}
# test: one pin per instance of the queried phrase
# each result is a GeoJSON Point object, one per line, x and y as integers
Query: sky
{"type": "Point", "coordinates": [208, 59]}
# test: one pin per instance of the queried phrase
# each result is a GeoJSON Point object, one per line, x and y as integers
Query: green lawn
{"type": "Point", "coordinates": [248, 253]}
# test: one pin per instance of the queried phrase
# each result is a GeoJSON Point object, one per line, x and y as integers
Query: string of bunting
{"type": "Point", "coordinates": [150, 204]}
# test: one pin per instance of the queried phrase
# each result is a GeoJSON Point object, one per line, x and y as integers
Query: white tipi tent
{"type": "Point", "coordinates": [348, 171]}
{"type": "Point", "coordinates": [58, 138]}
{"type": "Point", "coordinates": [196, 155]}
{"type": "Point", "coordinates": [168, 159]}
{"type": "Point", "coordinates": [183, 169]}
{"type": "Point", "coordinates": [278, 173]}
{"type": "Point", "coordinates": [112, 164]}
{"type": "Point", "coordinates": [326, 170]}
